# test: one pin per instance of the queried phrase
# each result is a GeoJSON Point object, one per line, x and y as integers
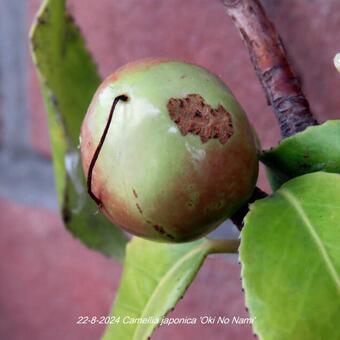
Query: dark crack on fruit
{"type": "Point", "coordinates": [98, 201]}
{"type": "Point", "coordinates": [139, 208]}
{"type": "Point", "coordinates": [169, 236]}
{"type": "Point", "coordinates": [193, 115]}
{"type": "Point", "coordinates": [161, 230]}
{"type": "Point", "coordinates": [134, 193]}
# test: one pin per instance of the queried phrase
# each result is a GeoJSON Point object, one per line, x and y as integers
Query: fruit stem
{"type": "Point", "coordinates": [223, 246]}
{"type": "Point", "coordinates": [123, 98]}
{"type": "Point", "coordinates": [238, 217]}
{"type": "Point", "coordinates": [267, 54]}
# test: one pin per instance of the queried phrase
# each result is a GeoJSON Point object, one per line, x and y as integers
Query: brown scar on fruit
{"type": "Point", "coordinates": [169, 236]}
{"type": "Point", "coordinates": [134, 193]}
{"type": "Point", "coordinates": [193, 115]}
{"type": "Point", "coordinates": [139, 208]}
{"type": "Point", "coordinates": [161, 230]}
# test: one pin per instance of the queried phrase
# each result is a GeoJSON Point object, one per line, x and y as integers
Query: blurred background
{"type": "Point", "coordinates": [47, 278]}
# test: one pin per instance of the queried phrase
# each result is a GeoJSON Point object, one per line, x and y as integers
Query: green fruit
{"type": "Point", "coordinates": [179, 157]}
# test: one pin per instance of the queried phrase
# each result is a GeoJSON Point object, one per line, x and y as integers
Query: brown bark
{"type": "Point", "coordinates": [282, 87]}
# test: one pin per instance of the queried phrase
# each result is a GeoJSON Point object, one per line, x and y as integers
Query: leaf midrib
{"type": "Point", "coordinates": [315, 237]}
{"type": "Point", "coordinates": [164, 279]}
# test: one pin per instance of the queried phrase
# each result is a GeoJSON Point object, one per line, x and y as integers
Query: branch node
{"type": "Point", "coordinates": [267, 53]}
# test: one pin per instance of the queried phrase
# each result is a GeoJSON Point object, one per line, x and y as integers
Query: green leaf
{"type": "Point", "coordinates": [68, 79]}
{"type": "Point", "coordinates": [315, 149]}
{"type": "Point", "coordinates": [290, 256]}
{"type": "Point", "coordinates": [155, 277]}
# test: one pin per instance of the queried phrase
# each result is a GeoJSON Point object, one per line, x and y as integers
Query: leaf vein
{"type": "Point", "coordinates": [316, 238]}
{"type": "Point", "coordinates": [164, 279]}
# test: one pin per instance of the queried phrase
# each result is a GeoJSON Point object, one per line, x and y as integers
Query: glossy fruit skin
{"type": "Point", "coordinates": [152, 180]}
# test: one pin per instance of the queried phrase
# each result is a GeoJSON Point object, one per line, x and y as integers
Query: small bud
{"type": "Point", "coordinates": [337, 61]}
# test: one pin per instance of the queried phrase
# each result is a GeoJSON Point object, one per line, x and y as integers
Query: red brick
{"type": "Point", "coordinates": [196, 31]}
{"type": "Point", "coordinates": [310, 32]}
{"type": "Point", "coordinates": [199, 31]}
{"type": "Point", "coordinates": [49, 279]}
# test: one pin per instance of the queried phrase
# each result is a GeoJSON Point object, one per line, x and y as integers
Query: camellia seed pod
{"type": "Point", "coordinates": [167, 150]}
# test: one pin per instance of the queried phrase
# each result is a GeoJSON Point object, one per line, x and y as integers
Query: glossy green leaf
{"type": "Point", "coordinates": [315, 149]}
{"type": "Point", "coordinates": [290, 256]}
{"type": "Point", "coordinates": [155, 277]}
{"type": "Point", "coordinates": [68, 79]}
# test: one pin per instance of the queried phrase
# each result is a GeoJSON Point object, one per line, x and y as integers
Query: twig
{"type": "Point", "coordinates": [280, 84]}
{"type": "Point", "coordinates": [237, 218]}
{"type": "Point", "coordinates": [282, 87]}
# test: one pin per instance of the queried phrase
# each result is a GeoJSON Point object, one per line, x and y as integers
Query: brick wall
{"type": "Point", "coordinates": [47, 277]}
